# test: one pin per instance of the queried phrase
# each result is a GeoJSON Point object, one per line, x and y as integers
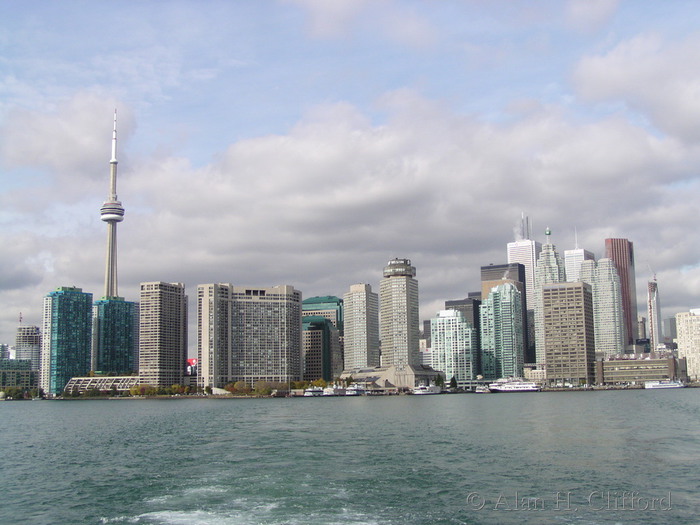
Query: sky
{"type": "Point", "coordinates": [308, 142]}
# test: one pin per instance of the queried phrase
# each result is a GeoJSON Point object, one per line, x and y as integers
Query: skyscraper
{"type": "Point", "coordinates": [621, 251]}
{"type": "Point", "coordinates": [398, 315]}
{"type": "Point", "coordinates": [688, 332]}
{"type": "Point", "coordinates": [569, 340]}
{"type": "Point", "coordinates": [28, 345]}
{"type": "Point", "coordinates": [320, 349]}
{"type": "Point", "coordinates": [115, 321]}
{"type": "Point", "coordinates": [608, 318]}
{"type": "Point", "coordinates": [502, 333]}
{"type": "Point", "coordinates": [361, 340]}
{"type": "Point", "coordinates": [572, 263]}
{"type": "Point", "coordinates": [654, 313]}
{"type": "Point", "coordinates": [215, 335]}
{"type": "Point", "coordinates": [327, 306]}
{"type": "Point", "coordinates": [267, 334]}
{"type": "Point", "coordinates": [162, 333]}
{"type": "Point", "coordinates": [454, 347]}
{"type": "Point", "coordinates": [549, 270]}
{"type": "Point", "coordinates": [66, 340]}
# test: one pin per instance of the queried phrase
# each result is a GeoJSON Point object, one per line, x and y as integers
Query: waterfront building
{"type": "Point", "coordinates": [17, 373]}
{"type": "Point", "coordinates": [162, 333]}
{"type": "Point", "coordinates": [28, 345]}
{"type": "Point", "coordinates": [549, 270]}
{"type": "Point", "coordinates": [621, 251]}
{"type": "Point", "coordinates": [688, 339]}
{"type": "Point", "coordinates": [454, 350]}
{"type": "Point", "coordinates": [639, 368]}
{"type": "Point", "coordinates": [398, 315]}
{"type": "Point", "coordinates": [320, 357]}
{"type": "Point", "coordinates": [115, 384]}
{"type": "Point", "coordinates": [572, 263]}
{"type": "Point", "coordinates": [115, 336]}
{"type": "Point", "coordinates": [608, 317]}
{"type": "Point", "coordinates": [502, 333]}
{"type": "Point", "coordinates": [267, 334]}
{"type": "Point", "coordinates": [361, 334]}
{"type": "Point", "coordinates": [215, 350]}
{"type": "Point", "coordinates": [654, 313]}
{"type": "Point", "coordinates": [66, 341]}
{"type": "Point", "coordinates": [569, 340]}
{"type": "Point", "coordinates": [115, 321]}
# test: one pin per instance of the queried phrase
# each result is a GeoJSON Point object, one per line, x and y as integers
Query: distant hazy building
{"type": "Point", "coordinates": [569, 340]}
{"type": "Point", "coordinates": [654, 313]}
{"type": "Point", "coordinates": [17, 373]}
{"type": "Point", "coordinates": [608, 317]}
{"type": "Point", "coordinates": [267, 334]}
{"type": "Point", "coordinates": [28, 345]}
{"type": "Point", "coordinates": [454, 349]}
{"type": "Point", "coordinates": [398, 315]}
{"type": "Point", "coordinates": [320, 353]}
{"type": "Point", "coordinates": [526, 252]}
{"type": "Point", "coordinates": [66, 341]}
{"type": "Point", "coordinates": [688, 332]}
{"type": "Point", "coordinates": [162, 333]}
{"type": "Point", "coordinates": [621, 251]}
{"type": "Point", "coordinates": [549, 270]}
{"type": "Point", "coordinates": [572, 263]}
{"type": "Point", "coordinates": [502, 333]}
{"type": "Point", "coordinates": [361, 334]}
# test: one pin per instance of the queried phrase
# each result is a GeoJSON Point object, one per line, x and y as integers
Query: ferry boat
{"type": "Point", "coordinates": [664, 383]}
{"type": "Point", "coordinates": [513, 384]}
{"type": "Point", "coordinates": [355, 390]}
{"type": "Point", "coordinates": [333, 391]}
{"type": "Point", "coordinates": [482, 389]}
{"type": "Point", "coordinates": [313, 391]}
{"type": "Point", "coordinates": [426, 390]}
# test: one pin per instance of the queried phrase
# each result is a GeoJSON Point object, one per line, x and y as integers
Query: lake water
{"type": "Point", "coordinates": [563, 458]}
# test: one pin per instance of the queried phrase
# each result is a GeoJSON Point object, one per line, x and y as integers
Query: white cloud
{"type": "Point", "coordinates": [652, 76]}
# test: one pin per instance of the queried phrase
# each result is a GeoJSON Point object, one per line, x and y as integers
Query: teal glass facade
{"type": "Point", "coordinates": [115, 336]}
{"type": "Point", "coordinates": [67, 338]}
{"type": "Point", "coordinates": [326, 303]}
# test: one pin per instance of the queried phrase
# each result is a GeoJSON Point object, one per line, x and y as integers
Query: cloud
{"type": "Point", "coordinates": [590, 15]}
{"type": "Point", "coordinates": [650, 76]}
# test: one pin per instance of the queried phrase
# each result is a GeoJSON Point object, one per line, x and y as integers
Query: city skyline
{"type": "Point", "coordinates": [315, 142]}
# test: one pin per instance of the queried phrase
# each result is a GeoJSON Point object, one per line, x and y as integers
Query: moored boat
{"type": "Point", "coordinates": [426, 390]}
{"type": "Point", "coordinates": [313, 391]}
{"type": "Point", "coordinates": [513, 384]}
{"type": "Point", "coordinates": [667, 383]}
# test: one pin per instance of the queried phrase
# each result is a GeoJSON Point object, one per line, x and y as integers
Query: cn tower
{"type": "Point", "coordinates": [112, 212]}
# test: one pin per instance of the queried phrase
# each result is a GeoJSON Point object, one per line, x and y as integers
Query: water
{"type": "Point", "coordinates": [572, 458]}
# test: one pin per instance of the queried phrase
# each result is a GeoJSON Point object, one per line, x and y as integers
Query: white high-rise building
{"type": "Point", "coordinates": [215, 350]}
{"type": "Point", "coordinates": [454, 347]}
{"type": "Point", "coordinates": [162, 333]}
{"type": "Point", "coordinates": [361, 312]}
{"type": "Point", "coordinates": [572, 263]}
{"type": "Point", "coordinates": [549, 270]}
{"type": "Point", "coordinates": [502, 333]}
{"type": "Point", "coordinates": [267, 334]}
{"type": "Point", "coordinates": [399, 320]}
{"type": "Point", "coordinates": [608, 315]}
{"type": "Point", "coordinates": [526, 252]}
{"type": "Point", "coordinates": [654, 314]}
{"type": "Point", "coordinates": [688, 339]}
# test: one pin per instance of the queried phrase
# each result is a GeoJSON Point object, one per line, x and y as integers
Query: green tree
{"type": "Point", "coordinates": [439, 380]}
{"type": "Point", "coordinates": [453, 382]}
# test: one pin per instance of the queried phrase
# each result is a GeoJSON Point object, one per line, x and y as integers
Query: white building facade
{"type": "Point", "coordinates": [361, 342]}
{"type": "Point", "coordinates": [399, 321]}
{"type": "Point", "coordinates": [454, 347]}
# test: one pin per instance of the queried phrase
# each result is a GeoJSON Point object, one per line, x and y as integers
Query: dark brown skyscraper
{"type": "Point", "coordinates": [621, 251]}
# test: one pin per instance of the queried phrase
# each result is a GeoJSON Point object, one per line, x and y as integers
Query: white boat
{"type": "Point", "coordinates": [426, 390]}
{"type": "Point", "coordinates": [513, 384]}
{"type": "Point", "coordinates": [313, 391]}
{"type": "Point", "coordinates": [355, 390]}
{"type": "Point", "coordinates": [664, 383]}
{"type": "Point", "coordinates": [482, 389]}
{"type": "Point", "coordinates": [333, 391]}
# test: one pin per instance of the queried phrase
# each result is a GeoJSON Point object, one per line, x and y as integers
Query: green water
{"type": "Point", "coordinates": [562, 458]}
